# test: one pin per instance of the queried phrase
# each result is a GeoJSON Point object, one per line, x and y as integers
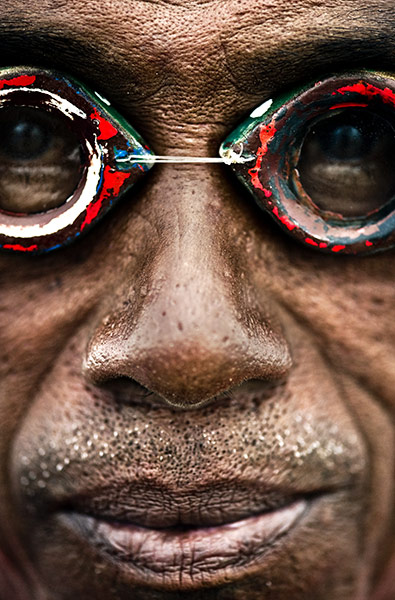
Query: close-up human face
{"type": "Point", "coordinates": [197, 394]}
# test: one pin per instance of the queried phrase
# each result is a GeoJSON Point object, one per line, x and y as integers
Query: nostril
{"type": "Point", "coordinates": [128, 392]}
{"type": "Point", "coordinates": [125, 388]}
{"type": "Point", "coordinates": [188, 374]}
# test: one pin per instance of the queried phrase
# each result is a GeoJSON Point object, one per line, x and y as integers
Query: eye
{"type": "Point", "coordinates": [346, 163]}
{"type": "Point", "coordinates": [65, 158]}
{"type": "Point", "coordinates": [41, 160]}
{"type": "Point", "coordinates": [322, 162]}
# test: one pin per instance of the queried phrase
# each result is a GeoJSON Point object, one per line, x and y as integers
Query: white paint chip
{"type": "Point", "coordinates": [261, 110]}
{"type": "Point", "coordinates": [103, 99]}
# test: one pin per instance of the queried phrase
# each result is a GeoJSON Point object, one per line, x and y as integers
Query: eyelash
{"type": "Point", "coordinates": [275, 137]}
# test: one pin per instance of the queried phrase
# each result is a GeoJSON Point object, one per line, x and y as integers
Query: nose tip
{"type": "Point", "coordinates": [190, 376]}
{"type": "Point", "coordinates": [186, 357]}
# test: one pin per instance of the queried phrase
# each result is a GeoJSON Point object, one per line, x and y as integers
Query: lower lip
{"type": "Point", "coordinates": [169, 558]}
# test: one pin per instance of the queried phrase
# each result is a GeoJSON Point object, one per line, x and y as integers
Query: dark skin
{"type": "Point", "coordinates": [263, 357]}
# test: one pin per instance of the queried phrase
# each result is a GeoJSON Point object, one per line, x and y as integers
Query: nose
{"type": "Point", "coordinates": [191, 324]}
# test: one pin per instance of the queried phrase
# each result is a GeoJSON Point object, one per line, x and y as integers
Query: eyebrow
{"type": "Point", "coordinates": [55, 47]}
{"type": "Point", "coordinates": [46, 45]}
{"type": "Point", "coordinates": [319, 52]}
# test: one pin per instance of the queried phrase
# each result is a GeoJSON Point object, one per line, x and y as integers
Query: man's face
{"type": "Point", "coordinates": [193, 405]}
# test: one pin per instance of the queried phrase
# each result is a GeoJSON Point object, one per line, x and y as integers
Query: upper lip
{"type": "Point", "coordinates": [156, 506]}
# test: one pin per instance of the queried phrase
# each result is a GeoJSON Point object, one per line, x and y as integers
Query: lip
{"type": "Point", "coordinates": [150, 532]}
{"type": "Point", "coordinates": [184, 557]}
{"type": "Point", "coordinates": [154, 505]}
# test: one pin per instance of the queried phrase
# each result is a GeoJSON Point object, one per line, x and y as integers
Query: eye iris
{"type": "Point", "coordinates": [25, 140]}
{"type": "Point", "coordinates": [346, 162]}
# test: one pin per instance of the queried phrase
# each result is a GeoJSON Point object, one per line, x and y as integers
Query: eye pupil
{"type": "Point", "coordinates": [345, 142]}
{"type": "Point", "coordinates": [25, 140]}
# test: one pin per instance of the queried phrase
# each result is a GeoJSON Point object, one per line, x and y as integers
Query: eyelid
{"type": "Point", "coordinates": [106, 138]}
{"type": "Point", "coordinates": [274, 134]}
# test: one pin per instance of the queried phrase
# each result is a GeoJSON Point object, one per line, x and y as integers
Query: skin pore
{"type": "Point", "coordinates": [186, 347]}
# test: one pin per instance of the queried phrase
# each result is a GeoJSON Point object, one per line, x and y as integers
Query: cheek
{"type": "Point", "coordinates": [348, 306]}
{"type": "Point", "coordinates": [348, 303]}
{"type": "Point", "coordinates": [40, 308]}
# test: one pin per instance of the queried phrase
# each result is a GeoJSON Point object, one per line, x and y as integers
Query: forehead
{"type": "Point", "coordinates": [167, 33]}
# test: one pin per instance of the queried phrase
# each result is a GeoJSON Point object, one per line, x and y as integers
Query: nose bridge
{"type": "Point", "coordinates": [193, 333]}
{"type": "Point", "coordinates": [191, 282]}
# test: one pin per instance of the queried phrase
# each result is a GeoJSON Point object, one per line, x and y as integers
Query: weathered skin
{"type": "Point", "coordinates": [187, 288]}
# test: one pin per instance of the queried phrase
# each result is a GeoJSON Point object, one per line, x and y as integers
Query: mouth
{"type": "Point", "coordinates": [190, 552]}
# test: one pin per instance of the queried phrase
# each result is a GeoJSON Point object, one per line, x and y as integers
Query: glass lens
{"type": "Point", "coordinates": [41, 160]}
{"type": "Point", "coordinates": [346, 164]}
